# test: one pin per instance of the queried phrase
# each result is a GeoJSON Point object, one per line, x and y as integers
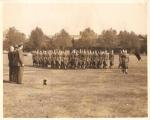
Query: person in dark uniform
{"type": "Point", "coordinates": [80, 58]}
{"type": "Point", "coordinates": [111, 59]}
{"type": "Point", "coordinates": [96, 59]}
{"type": "Point", "coordinates": [106, 59]}
{"type": "Point", "coordinates": [76, 59]}
{"type": "Point", "coordinates": [11, 66]}
{"type": "Point", "coordinates": [86, 58]}
{"type": "Point", "coordinates": [44, 59]}
{"type": "Point", "coordinates": [15, 63]}
{"type": "Point", "coordinates": [53, 59]}
{"type": "Point", "coordinates": [137, 54]}
{"type": "Point", "coordinates": [49, 58]}
{"type": "Point", "coordinates": [120, 59]}
{"type": "Point", "coordinates": [90, 59]}
{"type": "Point", "coordinates": [66, 59]}
{"type": "Point", "coordinates": [125, 62]}
{"type": "Point", "coordinates": [20, 64]}
{"type": "Point", "coordinates": [100, 59]}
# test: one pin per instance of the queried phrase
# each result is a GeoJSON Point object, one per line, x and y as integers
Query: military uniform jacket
{"type": "Point", "coordinates": [18, 58]}
{"type": "Point", "coordinates": [11, 58]}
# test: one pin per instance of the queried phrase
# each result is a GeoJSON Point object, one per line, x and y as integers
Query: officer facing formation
{"type": "Point", "coordinates": [11, 64]}
{"type": "Point", "coordinates": [15, 57]}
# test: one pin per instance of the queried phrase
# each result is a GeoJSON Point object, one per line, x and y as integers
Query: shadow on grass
{"type": "Point", "coordinates": [29, 66]}
{"type": "Point", "coordinates": [6, 81]}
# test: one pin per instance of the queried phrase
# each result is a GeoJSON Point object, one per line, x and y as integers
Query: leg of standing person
{"type": "Point", "coordinates": [20, 75]}
{"type": "Point", "coordinates": [126, 68]}
{"type": "Point", "coordinates": [126, 71]}
{"type": "Point", "coordinates": [10, 74]}
{"type": "Point", "coordinates": [13, 73]}
{"type": "Point", "coordinates": [16, 74]}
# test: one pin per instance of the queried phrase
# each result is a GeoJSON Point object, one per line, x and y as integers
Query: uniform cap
{"type": "Point", "coordinates": [21, 44]}
{"type": "Point", "coordinates": [16, 46]}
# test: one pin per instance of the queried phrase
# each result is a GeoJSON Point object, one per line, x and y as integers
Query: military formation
{"type": "Point", "coordinates": [79, 59]}
{"type": "Point", "coordinates": [65, 59]}
{"type": "Point", "coordinates": [75, 59]}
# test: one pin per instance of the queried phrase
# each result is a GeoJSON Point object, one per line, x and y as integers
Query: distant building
{"type": "Point", "coordinates": [76, 37]}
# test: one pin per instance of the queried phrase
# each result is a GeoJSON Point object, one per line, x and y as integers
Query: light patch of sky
{"type": "Point", "coordinates": [75, 17]}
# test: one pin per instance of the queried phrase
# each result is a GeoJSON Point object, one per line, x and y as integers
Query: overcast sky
{"type": "Point", "coordinates": [52, 17]}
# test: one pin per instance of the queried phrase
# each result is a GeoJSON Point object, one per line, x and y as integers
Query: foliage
{"type": "Point", "coordinates": [108, 39]}
{"type": "Point", "coordinates": [88, 38]}
{"type": "Point", "coordinates": [36, 38]}
{"type": "Point", "coordinates": [62, 39]}
{"type": "Point", "coordinates": [13, 37]}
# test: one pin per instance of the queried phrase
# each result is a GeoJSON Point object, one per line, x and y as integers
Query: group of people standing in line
{"type": "Point", "coordinates": [16, 65]}
{"type": "Point", "coordinates": [79, 59]}
{"type": "Point", "coordinates": [64, 59]}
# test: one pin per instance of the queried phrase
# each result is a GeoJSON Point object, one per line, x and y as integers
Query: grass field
{"type": "Point", "coordinates": [78, 93]}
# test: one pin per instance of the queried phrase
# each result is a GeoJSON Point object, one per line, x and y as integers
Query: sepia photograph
{"type": "Point", "coordinates": [74, 59]}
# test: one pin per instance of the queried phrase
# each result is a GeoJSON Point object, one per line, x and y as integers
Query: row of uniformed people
{"type": "Point", "coordinates": [73, 59]}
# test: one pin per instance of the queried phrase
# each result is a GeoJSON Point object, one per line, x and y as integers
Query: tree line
{"type": "Point", "coordinates": [107, 39]}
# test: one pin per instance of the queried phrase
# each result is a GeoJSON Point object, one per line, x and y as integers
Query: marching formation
{"type": "Point", "coordinates": [79, 59]}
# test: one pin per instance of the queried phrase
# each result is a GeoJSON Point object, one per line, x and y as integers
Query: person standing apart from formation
{"type": "Point", "coordinates": [137, 54]}
{"type": "Point", "coordinates": [125, 62]}
{"type": "Point", "coordinates": [11, 66]}
{"type": "Point", "coordinates": [19, 55]}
